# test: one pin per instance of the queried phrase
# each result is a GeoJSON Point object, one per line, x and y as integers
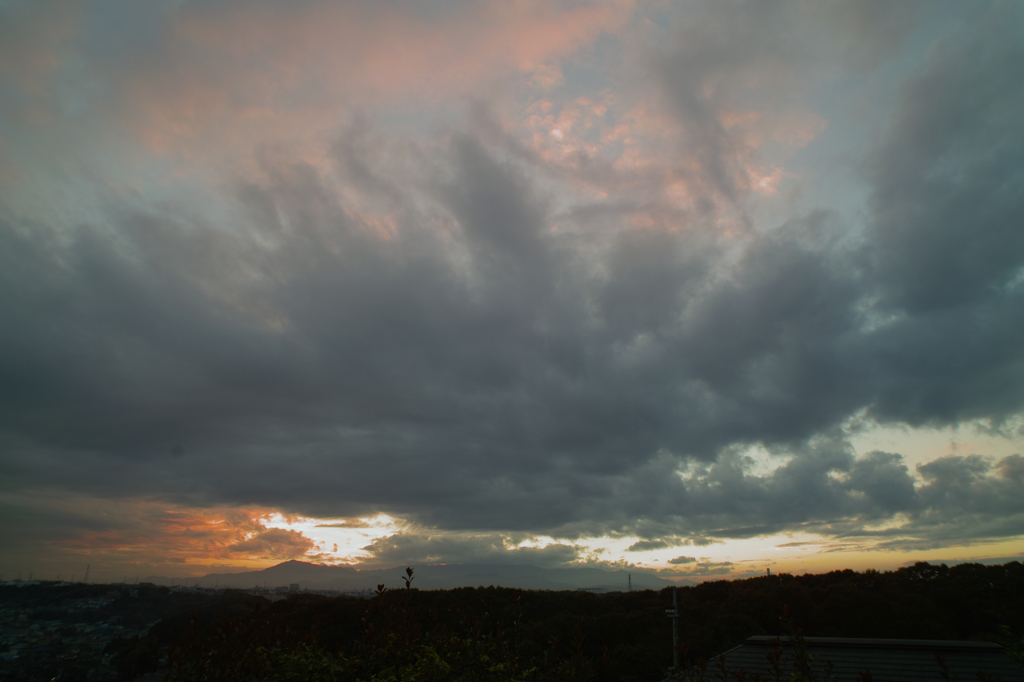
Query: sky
{"type": "Point", "coordinates": [696, 288]}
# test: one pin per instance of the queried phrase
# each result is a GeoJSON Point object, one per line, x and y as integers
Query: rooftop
{"type": "Point", "coordinates": [846, 659]}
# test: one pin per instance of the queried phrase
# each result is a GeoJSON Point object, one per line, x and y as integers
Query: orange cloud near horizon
{"type": "Point", "coordinates": [181, 535]}
{"type": "Point", "coordinates": [145, 535]}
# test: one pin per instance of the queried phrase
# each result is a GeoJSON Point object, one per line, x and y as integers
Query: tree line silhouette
{"type": "Point", "coordinates": [500, 634]}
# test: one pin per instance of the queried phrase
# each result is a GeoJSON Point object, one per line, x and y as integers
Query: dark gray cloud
{"type": "Point", "coordinates": [425, 548]}
{"type": "Point", "coordinates": [962, 499]}
{"type": "Point", "coordinates": [468, 367]}
{"type": "Point", "coordinates": [946, 176]}
{"type": "Point", "coordinates": [647, 545]}
{"type": "Point", "coordinates": [697, 568]}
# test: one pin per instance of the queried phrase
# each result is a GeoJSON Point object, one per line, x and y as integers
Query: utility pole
{"type": "Point", "coordinates": [86, 578]}
{"type": "Point", "coordinates": [630, 578]}
{"type": "Point", "coordinates": [673, 613]}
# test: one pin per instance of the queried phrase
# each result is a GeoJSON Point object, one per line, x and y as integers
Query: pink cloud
{"type": "Point", "coordinates": [604, 147]}
{"type": "Point", "coordinates": [240, 70]}
{"type": "Point", "coordinates": [34, 39]}
{"type": "Point", "coordinates": [799, 128]}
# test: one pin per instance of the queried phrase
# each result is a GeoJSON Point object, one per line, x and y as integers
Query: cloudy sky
{"type": "Point", "coordinates": [699, 287]}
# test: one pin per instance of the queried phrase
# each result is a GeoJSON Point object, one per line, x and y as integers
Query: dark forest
{"type": "Point", "coordinates": [492, 633]}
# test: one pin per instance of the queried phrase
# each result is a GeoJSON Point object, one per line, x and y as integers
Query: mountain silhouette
{"type": "Point", "coordinates": [428, 577]}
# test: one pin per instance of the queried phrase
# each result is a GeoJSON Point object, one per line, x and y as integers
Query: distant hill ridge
{"type": "Point", "coordinates": [428, 577]}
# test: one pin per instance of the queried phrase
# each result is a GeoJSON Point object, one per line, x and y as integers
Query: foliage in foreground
{"type": "Point", "coordinates": [505, 635]}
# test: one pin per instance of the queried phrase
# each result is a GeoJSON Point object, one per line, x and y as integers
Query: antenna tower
{"type": "Point", "coordinates": [673, 613]}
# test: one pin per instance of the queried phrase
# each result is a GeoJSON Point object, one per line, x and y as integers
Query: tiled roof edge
{"type": "Point", "coordinates": [945, 644]}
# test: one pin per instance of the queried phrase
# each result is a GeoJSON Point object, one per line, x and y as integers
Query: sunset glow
{"type": "Point", "coordinates": [692, 289]}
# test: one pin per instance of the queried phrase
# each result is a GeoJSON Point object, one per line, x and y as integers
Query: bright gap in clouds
{"type": "Point", "coordinates": [926, 444]}
{"type": "Point", "coordinates": [339, 540]}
